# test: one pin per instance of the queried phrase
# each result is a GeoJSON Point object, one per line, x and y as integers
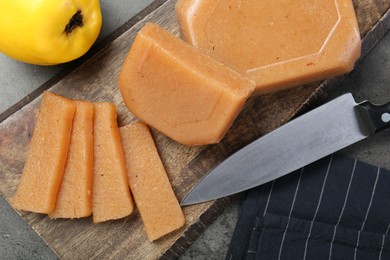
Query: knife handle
{"type": "Point", "coordinates": [374, 117]}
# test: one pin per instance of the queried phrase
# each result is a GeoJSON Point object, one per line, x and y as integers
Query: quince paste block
{"type": "Point", "coordinates": [111, 194]}
{"type": "Point", "coordinates": [278, 43]}
{"type": "Point", "coordinates": [159, 208]}
{"type": "Point", "coordinates": [180, 91]}
{"type": "Point", "coordinates": [74, 198]}
{"type": "Point", "coordinates": [46, 158]}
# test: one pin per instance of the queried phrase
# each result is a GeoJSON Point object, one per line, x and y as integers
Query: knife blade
{"type": "Point", "coordinates": [312, 136]}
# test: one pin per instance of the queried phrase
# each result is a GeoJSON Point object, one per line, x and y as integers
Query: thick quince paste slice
{"type": "Point", "coordinates": [45, 163]}
{"type": "Point", "coordinates": [278, 43]}
{"type": "Point", "coordinates": [111, 193]}
{"type": "Point", "coordinates": [74, 198]}
{"type": "Point", "coordinates": [159, 208]}
{"type": "Point", "coordinates": [180, 91]}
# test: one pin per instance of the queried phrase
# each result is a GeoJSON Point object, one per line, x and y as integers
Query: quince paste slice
{"type": "Point", "coordinates": [111, 193]}
{"type": "Point", "coordinates": [156, 201]}
{"type": "Point", "coordinates": [46, 158]}
{"type": "Point", "coordinates": [278, 43]}
{"type": "Point", "coordinates": [74, 199]}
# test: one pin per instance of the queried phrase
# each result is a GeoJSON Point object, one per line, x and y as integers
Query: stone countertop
{"type": "Point", "coordinates": [370, 80]}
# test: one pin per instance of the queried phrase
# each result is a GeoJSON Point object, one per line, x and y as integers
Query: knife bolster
{"type": "Point", "coordinates": [373, 118]}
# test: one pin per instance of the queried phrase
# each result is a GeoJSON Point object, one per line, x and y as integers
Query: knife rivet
{"type": "Point", "coordinates": [385, 117]}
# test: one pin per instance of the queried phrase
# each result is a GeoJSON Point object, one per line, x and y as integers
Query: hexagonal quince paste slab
{"type": "Point", "coordinates": [279, 43]}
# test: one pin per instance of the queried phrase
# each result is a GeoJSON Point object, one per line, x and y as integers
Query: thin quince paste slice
{"type": "Point", "coordinates": [74, 198]}
{"type": "Point", "coordinates": [111, 194]}
{"type": "Point", "coordinates": [180, 91]}
{"type": "Point", "coordinates": [159, 208]}
{"type": "Point", "coordinates": [278, 43]}
{"type": "Point", "coordinates": [46, 158]}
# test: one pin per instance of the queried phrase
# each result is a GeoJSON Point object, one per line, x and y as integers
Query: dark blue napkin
{"type": "Point", "coordinates": [335, 208]}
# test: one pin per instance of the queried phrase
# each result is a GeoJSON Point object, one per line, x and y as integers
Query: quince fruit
{"type": "Point", "coordinates": [48, 32]}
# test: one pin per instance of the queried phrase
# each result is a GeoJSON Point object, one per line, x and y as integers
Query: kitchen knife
{"type": "Point", "coordinates": [314, 135]}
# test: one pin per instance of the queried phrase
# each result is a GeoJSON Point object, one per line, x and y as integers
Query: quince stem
{"type": "Point", "coordinates": [75, 21]}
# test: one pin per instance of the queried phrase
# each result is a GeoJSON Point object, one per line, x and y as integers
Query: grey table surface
{"type": "Point", "coordinates": [370, 80]}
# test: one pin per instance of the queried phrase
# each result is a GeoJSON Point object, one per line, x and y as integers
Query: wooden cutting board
{"type": "Point", "coordinates": [95, 79]}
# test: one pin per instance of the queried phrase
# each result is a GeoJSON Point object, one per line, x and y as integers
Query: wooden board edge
{"type": "Point", "coordinates": [71, 66]}
{"type": "Point", "coordinates": [194, 231]}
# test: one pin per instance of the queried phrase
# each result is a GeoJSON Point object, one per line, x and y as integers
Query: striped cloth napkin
{"type": "Point", "coordinates": [335, 208]}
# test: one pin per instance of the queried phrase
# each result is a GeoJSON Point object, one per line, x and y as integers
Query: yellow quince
{"type": "Point", "coordinates": [48, 32]}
